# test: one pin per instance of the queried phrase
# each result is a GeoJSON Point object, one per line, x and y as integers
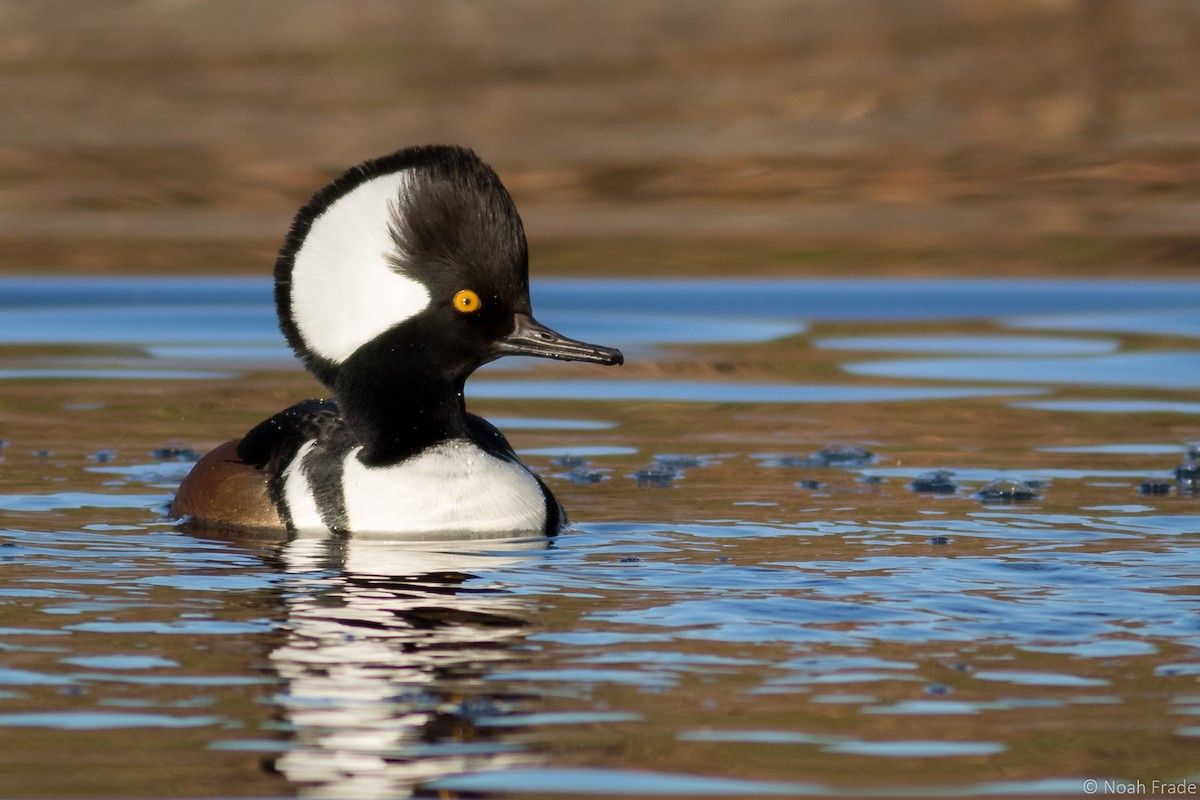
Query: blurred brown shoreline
{"type": "Point", "coordinates": [848, 137]}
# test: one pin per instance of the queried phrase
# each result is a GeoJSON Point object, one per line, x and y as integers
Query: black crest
{"type": "Point", "coordinates": [456, 221]}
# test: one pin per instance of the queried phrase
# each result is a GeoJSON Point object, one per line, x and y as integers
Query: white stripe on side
{"type": "Point", "coordinates": [298, 495]}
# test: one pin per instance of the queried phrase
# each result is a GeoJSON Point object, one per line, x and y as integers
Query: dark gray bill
{"type": "Point", "coordinates": [532, 338]}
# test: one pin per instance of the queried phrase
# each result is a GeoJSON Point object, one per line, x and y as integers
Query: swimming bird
{"type": "Point", "coordinates": [396, 282]}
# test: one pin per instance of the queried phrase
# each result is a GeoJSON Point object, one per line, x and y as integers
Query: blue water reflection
{"type": "Point", "coordinates": [1124, 406]}
{"type": "Point", "coordinates": [1177, 370]}
{"type": "Point", "coordinates": [235, 317]}
{"type": "Point", "coordinates": [973, 345]}
{"type": "Point", "coordinates": [868, 298]}
{"type": "Point", "coordinates": [1184, 323]}
{"type": "Point", "coordinates": [185, 327]}
{"type": "Point", "coordinates": [155, 310]}
{"type": "Point", "coordinates": [690, 391]}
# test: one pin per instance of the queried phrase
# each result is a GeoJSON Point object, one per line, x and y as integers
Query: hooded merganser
{"type": "Point", "coordinates": [395, 283]}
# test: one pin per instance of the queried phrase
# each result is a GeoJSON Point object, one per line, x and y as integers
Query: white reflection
{"type": "Point", "coordinates": [385, 658]}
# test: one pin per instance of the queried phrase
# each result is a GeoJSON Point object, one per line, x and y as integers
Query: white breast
{"type": "Point", "coordinates": [453, 487]}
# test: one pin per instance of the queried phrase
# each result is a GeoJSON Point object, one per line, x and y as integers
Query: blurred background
{"type": "Point", "coordinates": [929, 137]}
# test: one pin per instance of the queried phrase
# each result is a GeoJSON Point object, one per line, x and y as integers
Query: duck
{"type": "Point", "coordinates": [394, 284]}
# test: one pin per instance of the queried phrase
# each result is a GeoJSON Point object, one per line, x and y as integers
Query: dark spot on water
{"type": "Point", "coordinates": [1006, 490]}
{"type": "Point", "coordinates": [1188, 476]}
{"type": "Point", "coordinates": [667, 468]}
{"type": "Point", "coordinates": [958, 666]}
{"type": "Point", "coordinates": [175, 454]}
{"type": "Point", "coordinates": [42, 453]}
{"type": "Point", "coordinates": [577, 471]}
{"type": "Point", "coordinates": [938, 540]}
{"type": "Point", "coordinates": [938, 689]}
{"type": "Point", "coordinates": [570, 462]}
{"type": "Point", "coordinates": [833, 456]}
{"type": "Point", "coordinates": [442, 726]}
{"type": "Point", "coordinates": [629, 560]}
{"type": "Point", "coordinates": [936, 482]}
{"type": "Point", "coordinates": [679, 462]}
{"type": "Point", "coordinates": [723, 560]}
{"type": "Point", "coordinates": [871, 480]}
{"type": "Point", "coordinates": [103, 456]}
{"type": "Point", "coordinates": [478, 706]}
{"type": "Point", "coordinates": [583, 476]}
{"type": "Point", "coordinates": [1155, 487]}
{"type": "Point", "coordinates": [809, 484]}
{"type": "Point", "coordinates": [654, 476]}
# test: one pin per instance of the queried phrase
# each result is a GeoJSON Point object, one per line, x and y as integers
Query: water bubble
{"type": "Point", "coordinates": [654, 476]}
{"type": "Point", "coordinates": [1006, 490]}
{"type": "Point", "coordinates": [584, 476]}
{"type": "Point", "coordinates": [935, 482]}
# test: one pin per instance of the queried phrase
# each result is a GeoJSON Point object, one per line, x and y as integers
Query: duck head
{"type": "Point", "coordinates": [412, 268]}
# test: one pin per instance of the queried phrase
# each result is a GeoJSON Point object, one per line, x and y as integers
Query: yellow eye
{"type": "Point", "coordinates": [466, 301]}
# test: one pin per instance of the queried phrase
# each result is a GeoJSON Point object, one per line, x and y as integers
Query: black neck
{"type": "Point", "coordinates": [396, 414]}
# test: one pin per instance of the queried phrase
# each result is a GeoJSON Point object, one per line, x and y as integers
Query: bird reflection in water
{"type": "Point", "coordinates": [385, 662]}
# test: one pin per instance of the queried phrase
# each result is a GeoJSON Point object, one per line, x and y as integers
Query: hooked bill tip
{"type": "Point", "coordinates": [531, 338]}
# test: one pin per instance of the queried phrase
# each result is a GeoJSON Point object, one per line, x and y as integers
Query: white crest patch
{"type": "Point", "coordinates": [298, 494]}
{"type": "Point", "coordinates": [452, 487]}
{"type": "Point", "coordinates": [344, 290]}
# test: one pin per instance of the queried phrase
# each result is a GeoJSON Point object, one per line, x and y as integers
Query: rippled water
{"type": "Point", "coordinates": [753, 601]}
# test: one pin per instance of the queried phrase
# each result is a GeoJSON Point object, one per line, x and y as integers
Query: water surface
{"type": "Point", "coordinates": [753, 599]}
